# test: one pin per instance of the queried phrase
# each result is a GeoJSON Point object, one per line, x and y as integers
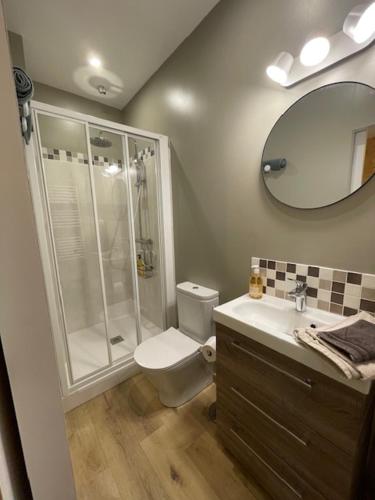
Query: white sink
{"type": "Point", "coordinates": [280, 316]}
{"type": "Point", "coordinates": [272, 321]}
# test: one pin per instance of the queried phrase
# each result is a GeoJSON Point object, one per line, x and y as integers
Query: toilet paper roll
{"type": "Point", "coordinates": [209, 350]}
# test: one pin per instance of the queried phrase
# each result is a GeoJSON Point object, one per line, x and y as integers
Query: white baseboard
{"type": "Point", "coordinates": [97, 387]}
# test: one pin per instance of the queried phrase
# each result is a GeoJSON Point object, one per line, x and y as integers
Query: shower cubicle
{"type": "Point", "coordinates": [102, 200]}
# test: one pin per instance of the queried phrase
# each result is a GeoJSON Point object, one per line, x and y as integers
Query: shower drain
{"type": "Point", "coordinates": [116, 340]}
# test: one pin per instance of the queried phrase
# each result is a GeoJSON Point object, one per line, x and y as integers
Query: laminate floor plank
{"type": "Point", "coordinates": [125, 445]}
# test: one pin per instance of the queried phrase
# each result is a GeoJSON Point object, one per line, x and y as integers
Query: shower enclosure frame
{"type": "Point", "coordinates": [76, 392]}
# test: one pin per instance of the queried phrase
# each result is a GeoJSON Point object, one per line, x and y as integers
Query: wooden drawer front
{"type": "Point", "coordinates": [320, 463]}
{"type": "Point", "coordinates": [333, 410]}
{"type": "Point", "coordinates": [271, 472]}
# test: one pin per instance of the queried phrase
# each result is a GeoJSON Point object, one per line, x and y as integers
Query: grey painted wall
{"type": "Point", "coordinates": [67, 100]}
{"type": "Point", "coordinates": [213, 99]}
{"type": "Point", "coordinates": [16, 49]}
{"type": "Point", "coordinates": [24, 317]}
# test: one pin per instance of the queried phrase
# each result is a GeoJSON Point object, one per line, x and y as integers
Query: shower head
{"type": "Point", "coordinates": [100, 141]}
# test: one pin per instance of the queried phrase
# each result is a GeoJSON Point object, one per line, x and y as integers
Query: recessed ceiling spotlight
{"type": "Point", "coordinates": [102, 90]}
{"type": "Point", "coordinates": [279, 69]}
{"type": "Point", "coordinates": [314, 51]}
{"type": "Point", "coordinates": [95, 62]}
{"type": "Point", "coordinates": [359, 24]}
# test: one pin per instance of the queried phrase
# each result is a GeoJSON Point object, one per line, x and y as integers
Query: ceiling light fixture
{"type": "Point", "coordinates": [359, 24]}
{"type": "Point", "coordinates": [278, 71]}
{"type": "Point", "coordinates": [95, 62]}
{"type": "Point", "coordinates": [102, 90]}
{"type": "Point", "coordinates": [314, 51]}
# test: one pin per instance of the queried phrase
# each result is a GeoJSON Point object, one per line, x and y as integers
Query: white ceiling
{"type": "Point", "coordinates": [132, 37]}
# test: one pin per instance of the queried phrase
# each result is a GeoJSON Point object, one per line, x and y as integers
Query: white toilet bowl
{"type": "Point", "coordinates": [172, 360]}
{"type": "Point", "coordinates": [174, 365]}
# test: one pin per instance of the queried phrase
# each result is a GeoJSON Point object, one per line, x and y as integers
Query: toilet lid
{"type": "Point", "coordinates": [165, 350]}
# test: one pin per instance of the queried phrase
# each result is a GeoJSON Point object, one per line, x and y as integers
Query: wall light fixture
{"type": "Point", "coordinates": [278, 71]}
{"type": "Point", "coordinates": [322, 52]}
{"type": "Point", "coordinates": [360, 22]}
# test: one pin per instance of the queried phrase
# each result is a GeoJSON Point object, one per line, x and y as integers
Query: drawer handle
{"type": "Point", "coordinates": [305, 383]}
{"type": "Point", "coordinates": [271, 419]}
{"type": "Point", "coordinates": [271, 469]}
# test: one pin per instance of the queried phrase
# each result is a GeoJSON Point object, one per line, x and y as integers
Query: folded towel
{"type": "Point", "coordinates": [310, 337]}
{"type": "Point", "coordinates": [356, 341]}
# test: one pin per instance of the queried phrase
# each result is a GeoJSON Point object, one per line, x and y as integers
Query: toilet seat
{"type": "Point", "coordinates": [165, 350]}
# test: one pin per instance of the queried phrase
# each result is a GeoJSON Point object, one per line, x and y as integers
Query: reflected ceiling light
{"type": "Point", "coordinates": [314, 51]}
{"type": "Point", "coordinates": [279, 69]}
{"type": "Point", "coordinates": [111, 170]}
{"type": "Point", "coordinates": [95, 62]}
{"type": "Point", "coordinates": [180, 100]}
{"type": "Point", "coordinates": [359, 24]}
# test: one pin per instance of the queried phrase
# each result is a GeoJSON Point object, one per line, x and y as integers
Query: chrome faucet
{"type": "Point", "coordinates": [299, 294]}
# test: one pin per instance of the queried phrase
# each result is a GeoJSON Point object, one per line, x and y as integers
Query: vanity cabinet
{"type": "Point", "coordinates": [299, 433]}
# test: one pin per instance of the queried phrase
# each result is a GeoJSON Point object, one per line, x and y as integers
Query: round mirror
{"type": "Point", "coordinates": [322, 148]}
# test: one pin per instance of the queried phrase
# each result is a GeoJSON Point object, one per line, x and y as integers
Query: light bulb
{"type": "Point", "coordinates": [95, 62]}
{"type": "Point", "coordinates": [276, 74]}
{"type": "Point", "coordinates": [314, 51]}
{"type": "Point", "coordinates": [278, 71]}
{"type": "Point", "coordinates": [359, 24]}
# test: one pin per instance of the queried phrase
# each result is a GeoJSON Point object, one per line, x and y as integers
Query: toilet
{"type": "Point", "coordinates": [172, 360]}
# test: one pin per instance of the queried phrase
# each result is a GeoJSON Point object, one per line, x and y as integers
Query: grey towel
{"type": "Point", "coordinates": [309, 337]}
{"type": "Point", "coordinates": [356, 341]}
{"type": "Point", "coordinates": [24, 85]}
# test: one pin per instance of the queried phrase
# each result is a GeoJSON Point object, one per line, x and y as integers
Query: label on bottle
{"type": "Point", "coordinates": [255, 291]}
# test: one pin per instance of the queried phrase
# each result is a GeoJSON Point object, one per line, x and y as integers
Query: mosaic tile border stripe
{"type": "Point", "coordinates": [77, 157]}
{"type": "Point", "coordinates": [146, 153]}
{"type": "Point", "coordinates": [63, 155]}
{"type": "Point", "coordinates": [102, 161]}
{"type": "Point", "coordinates": [334, 290]}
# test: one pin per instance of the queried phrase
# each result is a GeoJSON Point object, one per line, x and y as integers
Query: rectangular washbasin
{"type": "Point", "coordinates": [272, 314]}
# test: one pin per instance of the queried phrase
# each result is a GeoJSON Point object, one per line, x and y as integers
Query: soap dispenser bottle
{"type": "Point", "coordinates": [256, 283]}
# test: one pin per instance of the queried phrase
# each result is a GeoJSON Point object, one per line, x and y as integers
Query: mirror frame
{"type": "Point", "coordinates": [277, 121]}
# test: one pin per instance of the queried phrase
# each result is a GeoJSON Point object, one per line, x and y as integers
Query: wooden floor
{"type": "Point", "coordinates": [125, 445]}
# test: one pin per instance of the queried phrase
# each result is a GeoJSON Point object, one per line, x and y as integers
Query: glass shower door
{"type": "Point", "coordinates": [143, 174]}
{"type": "Point", "coordinates": [101, 224]}
{"type": "Point", "coordinates": [71, 216]}
{"type": "Point", "coordinates": [115, 231]}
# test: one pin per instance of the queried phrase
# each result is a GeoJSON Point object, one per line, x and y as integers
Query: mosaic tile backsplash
{"type": "Point", "coordinates": [334, 290]}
